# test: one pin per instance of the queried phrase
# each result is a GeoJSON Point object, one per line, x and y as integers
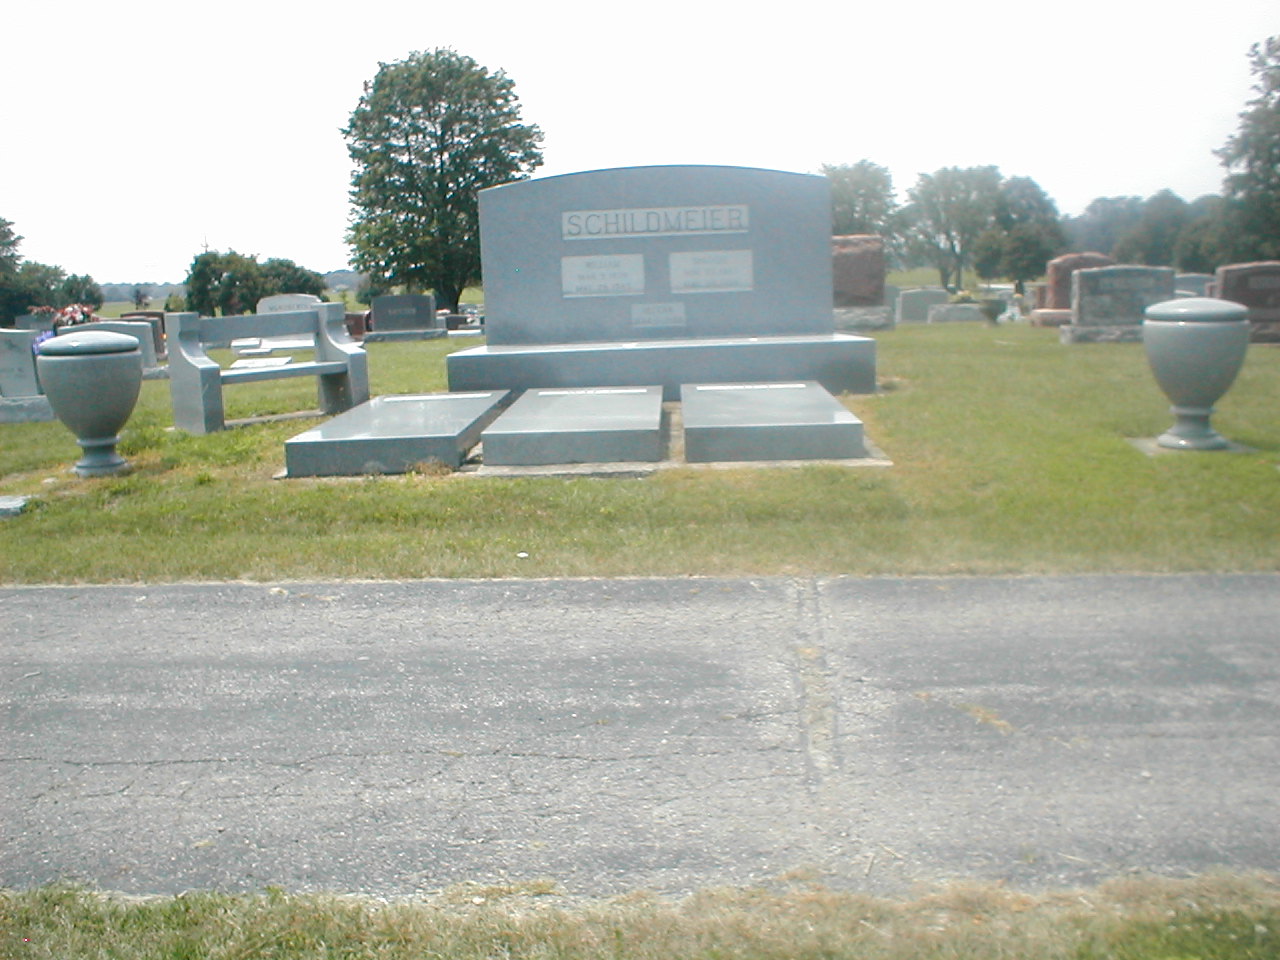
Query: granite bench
{"type": "Point", "coordinates": [196, 380]}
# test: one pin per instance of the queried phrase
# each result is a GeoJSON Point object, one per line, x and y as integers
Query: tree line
{"type": "Point", "coordinates": [25, 283]}
{"type": "Point", "coordinates": [974, 219]}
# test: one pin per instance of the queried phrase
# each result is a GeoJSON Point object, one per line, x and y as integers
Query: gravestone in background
{"type": "Point", "coordinates": [287, 303]}
{"type": "Point", "coordinates": [857, 269]}
{"type": "Point", "coordinates": [913, 305]}
{"type": "Point", "coordinates": [1257, 286]}
{"type": "Point", "coordinates": [660, 275]}
{"type": "Point", "coordinates": [1192, 284]}
{"type": "Point", "coordinates": [1058, 276]}
{"type": "Point", "coordinates": [1108, 304]}
{"type": "Point", "coordinates": [20, 398]}
{"type": "Point", "coordinates": [18, 364]}
{"type": "Point", "coordinates": [405, 316]}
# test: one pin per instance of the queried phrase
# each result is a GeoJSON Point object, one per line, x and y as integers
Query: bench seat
{"type": "Point", "coordinates": [196, 380]}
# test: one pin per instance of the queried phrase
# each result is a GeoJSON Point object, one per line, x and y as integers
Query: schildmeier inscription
{"type": "Point", "coordinates": [653, 222]}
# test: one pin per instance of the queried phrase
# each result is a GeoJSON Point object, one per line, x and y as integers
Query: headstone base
{"type": "Point", "coordinates": [1045, 317]}
{"type": "Point", "coordinates": [767, 421]}
{"type": "Point", "coordinates": [955, 313]}
{"type": "Point", "coordinates": [393, 434]}
{"type": "Point", "coordinates": [385, 336]}
{"type": "Point", "coordinates": [1262, 331]}
{"type": "Point", "coordinates": [840, 362]}
{"type": "Point", "coordinates": [578, 425]}
{"type": "Point", "coordinates": [864, 318]}
{"type": "Point", "coordinates": [25, 410]}
{"type": "Point", "coordinates": [1122, 333]}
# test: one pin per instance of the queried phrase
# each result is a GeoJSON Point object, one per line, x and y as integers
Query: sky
{"type": "Point", "coordinates": [138, 133]}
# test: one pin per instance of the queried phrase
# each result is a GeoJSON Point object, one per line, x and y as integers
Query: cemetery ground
{"type": "Point", "coordinates": [1011, 454]}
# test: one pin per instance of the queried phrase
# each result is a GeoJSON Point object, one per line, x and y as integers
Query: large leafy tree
{"type": "Point", "coordinates": [861, 198]}
{"type": "Point", "coordinates": [1252, 156]}
{"type": "Point", "coordinates": [948, 211]}
{"type": "Point", "coordinates": [1026, 233]}
{"type": "Point", "coordinates": [428, 134]}
{"type": "Point", "coordinates": [285, 276]}
{"type": "Point", "coordinates": [230, 283]}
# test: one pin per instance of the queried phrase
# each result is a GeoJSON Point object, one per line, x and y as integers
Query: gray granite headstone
{"type": "Point", "coordinates": [18, 364]}
{"type": "Point", "coordinates": [405, 311]}
{"type": "Point", "coordinates": [405, 316]}
{"type": "Point", "coordinates": [656, 253]}
{"type": "Point", "coordinates": [1192, 284]}
{"type": "Point", "coordinates": [913, 305]}
{"type": "Point", "coordinates": [1109, 303]}
{"type": "Point", "coordinates": [140, 330]}
{"type": "Point", "coordinates": [287, 303]}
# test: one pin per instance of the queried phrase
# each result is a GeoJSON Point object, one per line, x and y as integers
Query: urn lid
{"type": "Point", "coordinates": [88, 341]}
{"type": "Point", "coordinates": [1198, 310]}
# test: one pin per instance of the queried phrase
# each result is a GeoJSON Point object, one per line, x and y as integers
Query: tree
{"type": "Point", "coordinates": [141, 296]}
{"type": "Point", "coordinates": [861, 198]}
{"type": "Point", "coordinates": [9, 256]}
{"type": "Point", "coordinates": [80, 289]}
{"type": "Point", "coordinates": [948, 211]}
{"type": "Point", "coordinates": [1104, 221]}
{"type": "Point", "coordinates": [1151, 240]}
{"type": "Point", "coordinates": [228, 282]}
{"type": "Point", "coordinates": [285, 276]}
{"type": "Point", "coordinates": [1026, 233]}
{"type": "Point", "coordinates": [1252, 156]}
{"type": "Point", "coordinates": [1213, 236]}
{"type": "Point", "coordinates": [428, 134]}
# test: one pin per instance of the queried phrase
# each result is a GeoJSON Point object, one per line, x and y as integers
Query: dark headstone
{"type": "Point", "coordinates": [857, 269]}
{"type": "Point", "coordinates": [1257, 286]}
{"type": "Point", "coordinates": [1059, 271]}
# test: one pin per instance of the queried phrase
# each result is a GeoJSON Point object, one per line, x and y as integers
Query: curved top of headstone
{"type": "Point", "coordinates": [287, 303]}
{"type": "Point", "coordinates": [1198, 310]}
{"type": "Point", "coordinates": [89, 341]}
{"type": "Point", "coordinates": [657, 252]}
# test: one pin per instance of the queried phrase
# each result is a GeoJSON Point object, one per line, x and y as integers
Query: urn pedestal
{"type": "Point", "coordinates": [92, 380]}
{"type": "Point", "coordinates": [1196, 347]}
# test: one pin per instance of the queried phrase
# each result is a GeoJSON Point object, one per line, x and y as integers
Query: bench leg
{"type": "Point", "coordinates": [335, 392]}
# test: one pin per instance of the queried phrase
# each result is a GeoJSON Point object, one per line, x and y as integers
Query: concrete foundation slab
{"type": "Point", "coordinates": [839, 362]}
{"type": "Point", "coordinates": [767, 421]}
{"type": "Point", "coordinates": [392, 434]}
{"type": "Point", "coordinates": [578, 425]}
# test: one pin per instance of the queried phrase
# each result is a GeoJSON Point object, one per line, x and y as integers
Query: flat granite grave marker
{"type": "Point", "coordinates": [1108, 304]}
{"type": "Point", "coordinates": [767, 421]}
{"type": "Point", "coordinates": [578, 425]}
{"type": "Point", "coordinates": [392, 434]}
{"type": "Point", "coordinates": [713, 265]}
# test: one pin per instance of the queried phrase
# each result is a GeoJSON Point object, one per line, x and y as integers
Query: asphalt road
{"type": "Point", "coordinates": [393, 738]}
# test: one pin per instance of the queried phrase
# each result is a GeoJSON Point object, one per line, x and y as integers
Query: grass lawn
{"type": "Point", "coordinates": [1010, 455]}
{"type": "Point", "coordinates": [1217, 918]}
